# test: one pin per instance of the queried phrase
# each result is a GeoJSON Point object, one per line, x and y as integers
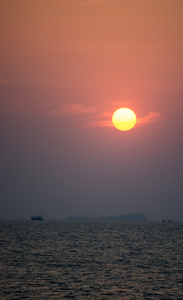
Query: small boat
{"type": "Point", "coordinates": [37, 218]}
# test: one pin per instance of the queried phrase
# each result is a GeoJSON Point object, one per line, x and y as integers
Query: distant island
{"type": "Point", "coordinates": [138, 217]}
{"type": "Point", "coordinates": [126, 217]}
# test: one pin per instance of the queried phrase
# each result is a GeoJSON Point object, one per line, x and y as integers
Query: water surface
{"type": "Point", "coordinates": [91, 260]}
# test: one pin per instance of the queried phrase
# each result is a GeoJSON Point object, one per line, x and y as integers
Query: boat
{"type": "Point", "coordinates": [37, 218]}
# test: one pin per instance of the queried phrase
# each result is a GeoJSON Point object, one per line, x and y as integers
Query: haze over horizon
{"type": "Point", "coordinates": [65, 67]}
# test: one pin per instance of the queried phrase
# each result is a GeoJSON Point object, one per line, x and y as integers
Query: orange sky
{"type": "Point", "coordinates": [74, 62]}
{"type": "Point", "coordinates": [93, 52]}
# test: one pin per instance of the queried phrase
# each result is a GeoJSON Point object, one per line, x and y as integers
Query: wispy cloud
{"type": "Point", "coordinates": [85, 116]}
{"type": "Point", "coordinates": [4, 81]}
{"type": "Point", "coordinates": [150, 118]}
{"type": "Point", "coordinates": [94, 116]}
{"type": "Point", "coordinates": [107, 122]}
{"type": "Point", "coordinates": [73, 109]}
{"type": "Point", "coordinates": [100, 119]}
{"type": "Point", "coordinates": [101, 123]}
{"type": "Point", "coordinates": [13, 105]}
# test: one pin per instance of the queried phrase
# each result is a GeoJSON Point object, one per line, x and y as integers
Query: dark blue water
{"type": "Point", "coordinates": [91, 260]}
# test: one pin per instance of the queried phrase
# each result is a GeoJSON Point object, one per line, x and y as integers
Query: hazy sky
{"type": "Point", "coordinates": [65, 67]}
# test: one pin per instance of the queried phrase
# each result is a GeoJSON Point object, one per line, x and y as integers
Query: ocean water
{"type": "Point", "coordinates": [91, 260]}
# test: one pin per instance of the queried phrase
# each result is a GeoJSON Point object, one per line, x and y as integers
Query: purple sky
{"type": "Point", "coordinates": [65, 67]}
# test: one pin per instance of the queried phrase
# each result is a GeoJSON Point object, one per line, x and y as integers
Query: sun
{"type": "Point", "coordinates": [124, 119]}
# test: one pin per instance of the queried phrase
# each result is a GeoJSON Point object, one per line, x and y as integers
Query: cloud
{"type": "Point", "coordinates": [101, 123]}
{"type": "Point", "coordinates": [4, 81]}
{"type": "Point", "coordinates": [16, 106]}
{"type": "Point", "coordinates": [85, 116]}
{"type": "Point", "coordinates": [103, 119]}
{"type": "Point", "coordinates": [73, 109]}
{"type": "Point", "coordinates": [93, 116]}
{"type": "Point", "coordinates": [150, 118]}
{"type": "Point", "coordinates": [89, 116]}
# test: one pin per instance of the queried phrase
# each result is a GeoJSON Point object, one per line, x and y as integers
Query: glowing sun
{"type": "Point", "coordinates": [124, 119]}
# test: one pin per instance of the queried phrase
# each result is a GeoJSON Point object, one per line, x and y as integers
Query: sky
{"type": "Point", "coordinates": [65, 67]}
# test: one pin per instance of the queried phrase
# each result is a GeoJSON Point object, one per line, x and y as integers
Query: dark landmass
{"type": "Point", "coordinates": [127, 217]}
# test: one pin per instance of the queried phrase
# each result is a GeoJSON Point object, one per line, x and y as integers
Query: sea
{"type": "Point", "coordinates": [91, 260]}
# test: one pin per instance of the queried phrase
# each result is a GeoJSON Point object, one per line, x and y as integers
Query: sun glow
{"type": "Point", "coordinates": [124, 119]}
